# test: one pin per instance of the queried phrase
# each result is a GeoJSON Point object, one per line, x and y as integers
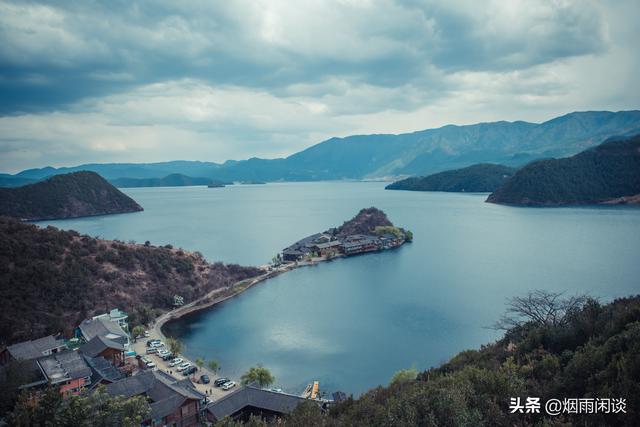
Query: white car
{"type": "Point", "coordinates": [184, 366]}
{"type": "Point", "coordinates": [157, 344]}
{"type": "Point", "coordinates": [163, 352]}
{"type": "Point", "coordinates": [151, 365]}
{"type": "Point", "coordinates": [175, 362]}
{"type": "Point", "coordinates": [228, 385]}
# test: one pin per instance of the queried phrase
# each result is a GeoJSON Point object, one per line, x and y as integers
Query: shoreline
{"type": "Point", "coordinates": [207, 301]}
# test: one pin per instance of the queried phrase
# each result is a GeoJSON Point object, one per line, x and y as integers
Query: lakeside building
{"type": "Point", "coordinates": [116, 315]}
{"type": "Point", "coordinates": [103, 327]}
{"type": "Point", "coordinates": [67, 370]}
{"type": "Point", "coordinates": [325, 244]}
{"type": "Point", "coordinates": [172, 402]}
{"type": "Point", "coordinates": [29, 350]}
{"type": "Point", "coordinates": [248, 400]}
{"type": "Point", "coordinates": [101, 346]}
{"type": "Point", "coordinates": [47, 361]}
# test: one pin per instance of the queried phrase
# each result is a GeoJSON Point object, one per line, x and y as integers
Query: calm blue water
{"type": "Point", "coordinates": [352, 323]}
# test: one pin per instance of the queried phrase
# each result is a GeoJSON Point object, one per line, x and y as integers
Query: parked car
{"type": "Point", "coordinates": [220, 381]}
{"type": "Point", "coordinates": [204, 379]}
{"type": "Point", "coordinates": [157, 344]}
{"type": "Point", "coordinates": [184, 366]}
{"type": "Point", "coordinates": [175, 362]}
{"type": "Point", "coordinates": [228, 385]}
{"type": "Point", "coordinates": [150, 364]}
{"type": "Point", "coordinates": [152, 350]}
{"type": "Point", "coordinates": [152, 342]}
{"type": "Point", "coordinates": [146, 334]}
{"type": "Point", "coordinates": [190, 370]}
{"type": "Point", "coordinates": [167, 356]}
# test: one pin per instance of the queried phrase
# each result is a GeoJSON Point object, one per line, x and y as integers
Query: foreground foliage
{"type": "Point", "coordinates": [98, 409]}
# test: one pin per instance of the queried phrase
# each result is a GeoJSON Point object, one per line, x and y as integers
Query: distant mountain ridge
{"type": "Point", "coordinates": [383, 155]}
{"type": "Point", "coordinates": [173, 180]}
{"type": "Point", "coordinates": [607, 173]}
{"type": "Point", "coordinates": [65, 196]}
{"type": "Point", "coordinates": [480, 178]}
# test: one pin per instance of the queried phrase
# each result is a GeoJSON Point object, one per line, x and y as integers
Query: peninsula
{"type": "Point", "coordinates": [369, 231]}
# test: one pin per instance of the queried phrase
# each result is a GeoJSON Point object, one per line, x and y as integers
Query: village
{"type": "Point", "coordinates": [331, 244]}
{"type": "Point", "coordinates": [104, 352]}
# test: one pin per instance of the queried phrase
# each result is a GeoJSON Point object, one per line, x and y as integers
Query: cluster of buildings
{"type": "Point", "coordinates": [98, 355]}
{"type": "Point", "coordinates": [328, 244]}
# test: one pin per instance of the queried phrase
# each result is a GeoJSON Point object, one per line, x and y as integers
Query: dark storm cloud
{"type": "Point", "coordinates": [88, 49]}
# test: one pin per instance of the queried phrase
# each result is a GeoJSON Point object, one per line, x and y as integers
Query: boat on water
{"type": "Point", "coordinates": [311, 391]}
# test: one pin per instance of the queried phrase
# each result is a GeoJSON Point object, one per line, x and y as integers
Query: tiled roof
{"type": "Point", "coordinates": [102, 327]}
{"type": "Point", "coordinates": [33, 349]}
{"type": "Point", "coordinates": [64, 366]}
{"type": "Point", "coordinates": [98, 344]}
{"type": "Point", "coordinates": [103, 370]}
{"type": "Point", "coordinates": [252, 396]}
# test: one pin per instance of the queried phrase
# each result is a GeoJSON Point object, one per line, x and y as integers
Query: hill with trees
{"type": "Point", "coordinates": [365, 222]}
{"type": "Point", "coordinates": [173, 180]}
{"type": "Point", "coordinates": [480, 178]}
{"type": "Point", "coordinates": [65, 196]}
{"type": "Point", "coordinates": [598, 175]}
{"type": "Point", "coordinates": [51, 279]}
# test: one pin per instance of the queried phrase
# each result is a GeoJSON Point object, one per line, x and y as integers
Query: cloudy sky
{"type": "Point", "coordinates": [144, 81]}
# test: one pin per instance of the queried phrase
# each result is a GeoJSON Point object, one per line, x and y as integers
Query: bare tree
{"type": "Point", "coordinates": [540, 308]}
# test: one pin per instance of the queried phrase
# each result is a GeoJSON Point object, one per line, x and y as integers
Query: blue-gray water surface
{"type": "Point", "coordinates": [351, 323]}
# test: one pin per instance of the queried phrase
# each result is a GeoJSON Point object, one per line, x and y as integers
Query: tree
{"type": "Point", "coordinates": [540, 308]}
{"type": "Point", "coordinates": [199, 362]}
{"type": "Point", "coordinates": [213, 365]}
{"type": "Point", "coordinates": [404, 375]}
{"type": "Point", "coordinates": [137, 331]}
{"type": "Point", "coordinates": [408, 236]}
{"type": "Point", "coordinates": [175, 346]}
{"type": "Point", "coordinates": [259, 375]}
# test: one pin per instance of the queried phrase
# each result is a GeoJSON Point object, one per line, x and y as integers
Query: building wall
{"type": "Point", "coordinates": [73, 387]}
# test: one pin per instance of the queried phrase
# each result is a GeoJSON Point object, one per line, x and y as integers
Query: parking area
{"type": "Point", "coordinates": [176, 370]}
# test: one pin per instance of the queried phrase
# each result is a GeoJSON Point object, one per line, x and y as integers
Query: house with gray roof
{"type": "Point", "coordinates": [172, 402]}
{"type": "Point", "coordinates": [67, 370]}
{"type": "Point", "coordinates": [29, 350]}
{"type": "Point", "coordinates": [249, 400]}
{"type": "Point", "coordinates": [111, 350]}
{"type": "Point", "coordinates": [105, 328]}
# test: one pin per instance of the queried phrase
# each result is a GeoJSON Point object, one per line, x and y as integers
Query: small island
{"type": "Point", "coordinates": [369, 231]}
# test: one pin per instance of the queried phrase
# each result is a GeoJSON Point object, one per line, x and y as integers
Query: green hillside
{"type": "Point", "coordinates": [479, 178]}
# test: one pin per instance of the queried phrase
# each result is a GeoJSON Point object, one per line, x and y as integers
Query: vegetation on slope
{"type": "Point", "coordinates": [65, 196]}
{"type": "Point", "coordinates": [50, 279]}
{"type": "Point", "coordinates": [173, 180]}
{"type": "Point", "coordinates": [365, 222]}
{"type": "Point", "coordinates": [609, 171]}
{"type": "Point", "coordinates": [480, 178]}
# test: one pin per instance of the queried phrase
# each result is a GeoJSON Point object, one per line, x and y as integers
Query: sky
{"type": "Point", "coordinates": [142, 81]}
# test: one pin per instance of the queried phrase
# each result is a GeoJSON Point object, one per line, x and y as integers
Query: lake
{"type": "Point", "coordinates": [352, 322]}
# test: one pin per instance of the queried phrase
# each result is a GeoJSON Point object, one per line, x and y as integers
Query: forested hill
{"type": "Point", "coordinates": [50, 279]}
{"type": "Point", "coordinates": [478, 178]}
{"type": "Point", "coordinates": [173, 180]}
{"type": "Point", "coordinates": [65, 196]}
{"type": "Point", "coordinates": [609, 172]}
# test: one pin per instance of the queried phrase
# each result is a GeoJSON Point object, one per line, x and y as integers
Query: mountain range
{"type": "Point", "coordinates": [385, 155]}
